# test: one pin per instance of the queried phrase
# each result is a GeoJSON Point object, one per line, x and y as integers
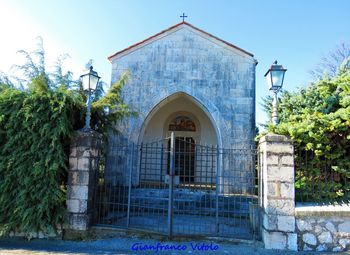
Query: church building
{"type": "Point", "coordinates": [185, 164]}
{"type": "Point", "coordinates": [187, 81]}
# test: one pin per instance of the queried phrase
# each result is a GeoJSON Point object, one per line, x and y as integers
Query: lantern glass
{"type": "Point", "coordinates": [275, 76]}
{"type": "Point", "coordinates": [90, 80]}
{"type": "Point", "coordinates": [93, 82]}
{"type": "Point", "coordinates": [85, 80]}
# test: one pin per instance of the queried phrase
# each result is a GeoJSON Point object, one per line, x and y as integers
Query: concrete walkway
{"type": "Point", "coordinates": [132, 245]}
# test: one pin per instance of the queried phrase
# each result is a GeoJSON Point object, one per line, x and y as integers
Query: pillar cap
{"type": "Point", "coordinates": [270, 137]}
{"type": "Point", "coordinates": [86, 139]}
{"type": "Point", "coordinates": [91, 132]}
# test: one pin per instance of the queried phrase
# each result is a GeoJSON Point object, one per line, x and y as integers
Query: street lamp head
{"type": "Point", "coordinates": [275, 76]}
{"type": "Point", "coordinates": [90, 80]}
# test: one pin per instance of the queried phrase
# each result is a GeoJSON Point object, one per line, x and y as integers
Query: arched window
{"type": "Point", "coordinates": [182, 123]}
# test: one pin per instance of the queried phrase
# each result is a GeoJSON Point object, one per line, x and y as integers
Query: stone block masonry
{"type": "Point", "coordinates": [323, 228]}
{"type": "Point", "coordinates": [83, 164]}
{"type": "Point", "coordinates": [284, 227]}
{"type": "Point", "coordinates": [184, 60]}
{"type": "Point", "coordinates": [277, 192]}
{"type": "Point", "coordinates": [208, 79]}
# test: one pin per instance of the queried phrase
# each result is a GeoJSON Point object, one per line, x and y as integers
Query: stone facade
{"type": "Point", "coordinates": [323, 228]}
{"type": "Point", "coordinates": [183, 59]}
{"type": "Point", "coordinates": [277, 192]}
{"type": "Point", "coordinates": [184, 70]}
{"type": "Point", "coordinates": [83, 164]}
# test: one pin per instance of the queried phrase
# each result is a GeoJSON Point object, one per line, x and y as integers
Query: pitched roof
{"type": "Point", "coordinates": [172, 28]}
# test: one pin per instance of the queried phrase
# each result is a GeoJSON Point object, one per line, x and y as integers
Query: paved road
{"type": "Point", "coordinates": [125, 245]}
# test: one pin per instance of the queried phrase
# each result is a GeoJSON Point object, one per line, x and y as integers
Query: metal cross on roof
{"type": "Point", "coordinates": [183, 17]}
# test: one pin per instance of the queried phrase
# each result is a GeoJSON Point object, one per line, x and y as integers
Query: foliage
{"type": "Point", "coordinates": [37, 119]}
{"type": "Point", "coordinates": [110, 108]}
{"type": "Point", "coordinates": [317, 118]}
{"type": "Point", "coordinates": [34, 129]}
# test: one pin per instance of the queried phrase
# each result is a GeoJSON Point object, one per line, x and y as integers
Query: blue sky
{"type": "Point", "coordinates": [296, 33]}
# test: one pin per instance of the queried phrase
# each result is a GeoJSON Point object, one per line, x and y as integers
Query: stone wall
{"type": "Point", "coordinates": [276, 165]}
{"type": "Point", "coordinates": [38, 235]}
{"type": "Point", "coordinates": [284, 226]}
{"type": "Point", "coordinates": [323, 228]}
{"type": "Point", "coordinates": [84, 156]}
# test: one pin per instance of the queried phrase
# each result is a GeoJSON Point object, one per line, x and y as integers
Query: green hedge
{"type": "Point", "coordinates": [35, 127]}
{"type": "Point", "coordinates": [37, 118]}
{"type": "Point", "coordinates": [317, 118]}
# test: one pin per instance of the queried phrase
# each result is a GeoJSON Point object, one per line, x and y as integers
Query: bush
{"type": "Point", "coordinates": [36, 123]}
{"type": "Point", "coordinates": [35, 128]}
{"type": "Point", "coordinates": [317, 118]}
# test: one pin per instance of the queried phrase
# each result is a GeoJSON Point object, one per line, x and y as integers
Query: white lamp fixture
{"type": "Point", "coordinates": [275, 78]}
{"type": "Point", "coordinates": [89, 82]}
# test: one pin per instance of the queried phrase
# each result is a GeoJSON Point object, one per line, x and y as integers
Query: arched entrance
{"type": "Point", "coordinates": [178, 105]}
{"type": "Point", "coordinates": [192, 127]}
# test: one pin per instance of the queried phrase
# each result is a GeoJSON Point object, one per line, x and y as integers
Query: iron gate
{"type": "Point", "coordinates": [177, 187]}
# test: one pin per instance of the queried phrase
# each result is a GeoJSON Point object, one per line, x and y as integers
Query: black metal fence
{"type": "Point", "coordinates": [318, 180]}
{"type": "Point", "coordinates": [177, 187]}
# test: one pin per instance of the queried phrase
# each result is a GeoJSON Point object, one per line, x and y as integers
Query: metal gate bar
{"type": "Point", "coordinates": [171, 185]}
{"type": "Point", "coordinates": [176, 187]}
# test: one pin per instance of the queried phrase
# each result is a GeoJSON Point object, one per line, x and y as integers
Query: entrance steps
{"type": "Point", "coordinates": [187, 201]}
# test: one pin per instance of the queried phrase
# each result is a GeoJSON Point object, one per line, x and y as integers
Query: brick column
{"type": "Point", "coordinates": [276, 156]}
{"type": "Point", "coordinates": [83, 163]}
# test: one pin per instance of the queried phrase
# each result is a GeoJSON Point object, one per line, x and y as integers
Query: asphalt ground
{"type": "Point", "coordinates": [136, 245]}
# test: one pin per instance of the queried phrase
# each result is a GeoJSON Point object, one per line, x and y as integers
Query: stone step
{"type": "Point", "coordinates": [185, 200]}
{"type": "Point", "coordinates": [181, 195]}
{"type": "Point", "coordinates": [190, 205]}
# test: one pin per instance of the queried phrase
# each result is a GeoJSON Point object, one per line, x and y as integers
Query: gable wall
{"type": "Point", "coordinates": [222, 80]}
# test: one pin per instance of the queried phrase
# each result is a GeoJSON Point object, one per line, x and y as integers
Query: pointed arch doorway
{"type": "Point", "coordinates": [192, 126]}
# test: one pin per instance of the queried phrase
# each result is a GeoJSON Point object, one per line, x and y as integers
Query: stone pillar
{"type": "Point", "coordinates": [276, 157]}
{"type": "Point", "coordinates": [83, 163]}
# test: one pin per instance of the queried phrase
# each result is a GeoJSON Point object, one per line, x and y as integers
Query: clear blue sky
{"type": "Point", "coordinates": [297, 33]}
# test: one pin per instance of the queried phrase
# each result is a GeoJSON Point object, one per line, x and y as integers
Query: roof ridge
{"type": "Point", "coordinates": [171, 28]}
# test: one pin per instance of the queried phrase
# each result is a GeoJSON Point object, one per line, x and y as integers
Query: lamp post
{"type": "Point", "coordinates": [275, 77]}
{"type": "Point", "coordinates": [89, 82]}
